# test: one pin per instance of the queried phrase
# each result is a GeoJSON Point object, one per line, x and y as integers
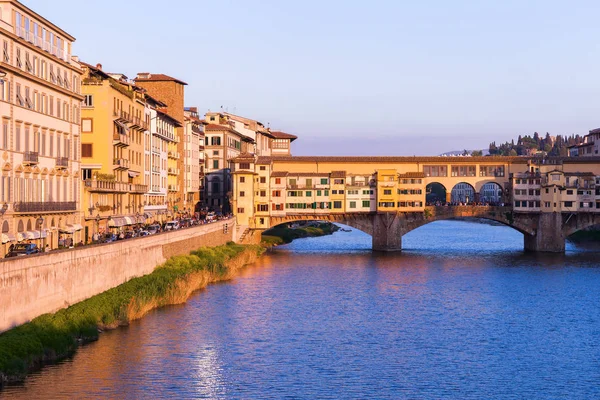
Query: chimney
{"type": "Point", "coordinates": [99, 66]}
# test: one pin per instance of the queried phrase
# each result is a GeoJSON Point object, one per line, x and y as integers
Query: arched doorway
{"type": "Point", "coordinates": [436, 194]}
{"type": "Point", "coordinates": [462, 193]}
{"type": "Point", "coordinates": [28, 224]}
{"type": "Point", "coordinates": [491, 193]}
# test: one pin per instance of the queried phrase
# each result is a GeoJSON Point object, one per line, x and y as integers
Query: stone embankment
{"type": "Point", "coordinates": [34, 285]}
{"type": "Point", "coordinates": [51, 337]}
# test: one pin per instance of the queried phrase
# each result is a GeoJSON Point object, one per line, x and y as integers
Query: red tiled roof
{"type": "Point", "coordinates": [412, 175]}
{"type": "Point", "coordinates": [283, 135]}
{"type": "Point", "coordinates": [279, 174]}
{"type": "Point", "coordinates": [244, 157]}
{"type": "Point", "coordinates": [158, 78]}
{"type": "Point", "coordinates": [215, 127]}
{"type": "Point", "coordinates": [338, 174]}
{"type": "Point", "coordinates": [404, 159]}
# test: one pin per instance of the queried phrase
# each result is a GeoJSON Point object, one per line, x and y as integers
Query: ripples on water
{"type": "Point", "coordinates": [462, 313]}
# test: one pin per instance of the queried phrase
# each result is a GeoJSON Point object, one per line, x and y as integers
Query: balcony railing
{"type": "Point", "coordinates": [92, 185]}
{"type": "Point", "coordinates": [49, 206]}
{"type": "Point", "coordinates": [31, 158]}
{"type": "Point", "coordinates": [120, 140]}
{"type": "Point", "coordinates": [122, 115]}
{"type": "Point", "coordinates": [62, 163]}
{"type": "Point", "coordinates": [120, 163]}
{"type": "Point", "coordinates": [173, 154]}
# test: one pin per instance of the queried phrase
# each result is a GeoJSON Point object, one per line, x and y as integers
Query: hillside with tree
{"type": "Point", "coordinates": [536, 144]}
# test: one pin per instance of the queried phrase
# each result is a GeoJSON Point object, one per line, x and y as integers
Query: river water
{"type": "Point", "coordinates": [461, 313]}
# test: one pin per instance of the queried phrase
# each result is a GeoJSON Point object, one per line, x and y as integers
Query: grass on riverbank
{"type": "Point", "coordinates": [54, 336]}
{"type": "Point", "coordinates": [282, 234]}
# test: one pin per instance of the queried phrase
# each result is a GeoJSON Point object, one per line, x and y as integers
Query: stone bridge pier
{"type": "Point", "coordinates": [549, 234]}
{"type": "Point", "coordinates": [387, 232]}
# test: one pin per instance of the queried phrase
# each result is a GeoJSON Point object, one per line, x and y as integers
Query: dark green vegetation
{"type": "Point", "coordinates": [527, 145]}
{"type": "Point", "coordinates": [586, 236]}
{"type": "Point", "coordinates": [54, 336]}
{"type": "Point", "coordinates": [282, 234]}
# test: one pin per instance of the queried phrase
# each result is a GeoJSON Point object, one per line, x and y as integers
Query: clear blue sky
{"type": "Point", "coordinates": [391, 77]}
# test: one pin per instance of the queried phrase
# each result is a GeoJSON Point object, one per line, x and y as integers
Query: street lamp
{"type": "Point", "coordinates": [40, 222]}
{"type": "Point", "coordinates": [97, 223]}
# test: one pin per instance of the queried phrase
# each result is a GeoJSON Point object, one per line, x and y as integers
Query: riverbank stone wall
{"type": "Point", "coordinates": [35, 285]}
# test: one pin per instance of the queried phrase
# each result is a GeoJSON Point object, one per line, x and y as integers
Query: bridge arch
{"type": "Point", "coordinates": [463, 193]}
{"type": "Point", "coordinates": [502, 218]}
{"type": "Point", "coordinates": [361, 221]}
{"type": "Point", "coordinates": [491, 192]}
{"type": "Point", "coordinates": [436, 193]}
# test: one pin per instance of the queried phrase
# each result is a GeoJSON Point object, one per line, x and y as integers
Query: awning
{"type": "Point", "coordinates": [148, 215]}
{"type": "Point", "coordinates": [133, 174]}
{"type": "Point", "coordinates": [122, 125]}
{"type": "Point", "coordinates": [71, 228]}
{"type": "Point", "coordinates": [8, 237]}
{"type": "Point", "coordinates": [117, 222]}
{"type": "Point", "coordinates": [129, 220]}
{"type": "Point", "coordinates": [32, 234]}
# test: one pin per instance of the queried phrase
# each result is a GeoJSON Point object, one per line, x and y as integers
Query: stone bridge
{"type": "Point", "coordinates": [543, 232]}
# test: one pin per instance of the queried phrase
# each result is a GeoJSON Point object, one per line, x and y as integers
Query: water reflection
{"type": "Point", "coordinates": [462, 312]}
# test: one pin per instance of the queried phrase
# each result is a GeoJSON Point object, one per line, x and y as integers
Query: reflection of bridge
{"type": "Point", "coordinates": [541, 232]}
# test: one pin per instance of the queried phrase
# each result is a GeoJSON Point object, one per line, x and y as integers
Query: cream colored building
{"type": "Point", "coordinates": [40, 133]}
{"type": "Point", "coordinates": [193, 153]}
{"type": "Point", "coordinates": [162, 143]}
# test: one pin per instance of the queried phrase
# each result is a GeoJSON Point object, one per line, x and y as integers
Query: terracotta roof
{"type": "Point", "coordinates": [338, 174]}
{"type": "Point", "coordinates": [597, 130]}
{"type": "Point", "coordinates": [263, 161]}
{"type": "Point", "coordinates": [304, 174]}
{"type": "Point", "coordinates": [159, 78]}
{"type": "Point", "coordinates": [403, 159]}
{"type": "Point", "coordinates": [283, 135]}
{"type": "Point", "coordinates": [579, 174]}
{"type": "Point", "coordinates": [279, 174]}
{"type": "Point", "coordinates": [243, 157]}
{"type": "Point", "coordinates": [215, 127]}
{"type": "Point", "coordinates": [412, 175]}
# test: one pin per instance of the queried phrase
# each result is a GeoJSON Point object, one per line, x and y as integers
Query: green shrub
{"type": "Point", "coordinates": [56, 335]}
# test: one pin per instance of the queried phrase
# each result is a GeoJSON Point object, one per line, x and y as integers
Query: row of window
{"type": "Point", "coordinates": [41, 102]}
{"type": "Point", "coordinates": [391, 204]}
{"type": "Point", "coordinates": [464, 170]}
{"type": "Point", "coordinates": [40, 141]}
{"type": "Point", "coordinates": [44, 189]}
{"type": "Point", "coordinates": [522, 181]}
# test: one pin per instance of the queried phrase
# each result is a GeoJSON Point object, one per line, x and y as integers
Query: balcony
{"type": "Point", "coordinates": [301, 187]}
{"type": "Point", "coordinates": [173, 171]}
{"type": "Point", "coordinates": [62, 163]}
{"type": "Point", "coordinates": [137, 123]}
{"type": "Point", "coordinates": [49, 206]}
{"type": "Point", "coordinates": [120, 163]}
{"type": "Point", "coordinates": [31, 158]}
{"type": "Point", "coordinates": [136, 188]}
{"type": "Point", "coordinates": [102, 186]}
{"type": "Point", "coordinates": [122, 116]}
{"type": "Point", "coordinates": [174, 155]}
{"type": "Point", "coordinates": [173, 188]}
{"type": "Point", "coordinates": [120, 140]}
